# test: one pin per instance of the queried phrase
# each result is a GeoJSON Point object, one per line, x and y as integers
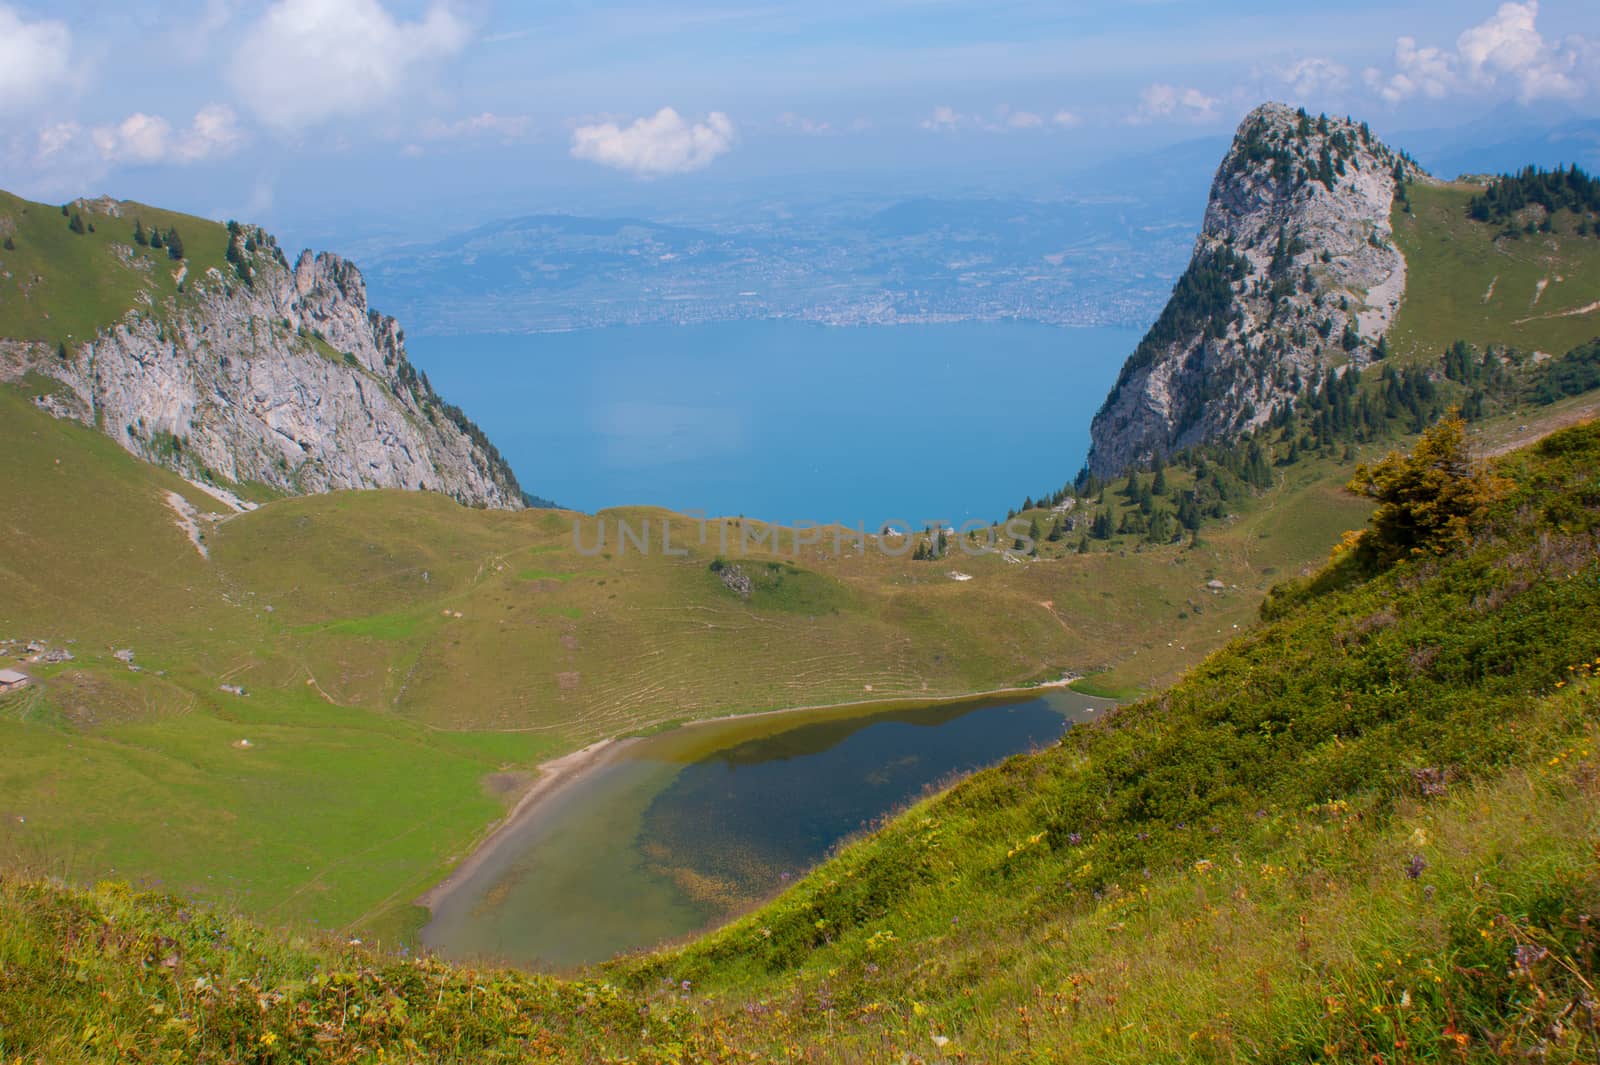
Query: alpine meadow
{"type": "Point", "coordinates": [1264, 728]}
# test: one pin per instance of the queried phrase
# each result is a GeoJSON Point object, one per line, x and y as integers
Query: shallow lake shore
{"type": "Point", "coordinates": [558, 774]}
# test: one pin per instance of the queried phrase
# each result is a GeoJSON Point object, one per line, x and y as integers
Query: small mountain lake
{"type": "Point", "coordinates": [669, 834]}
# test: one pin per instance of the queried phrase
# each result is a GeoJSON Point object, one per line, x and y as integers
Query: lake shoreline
{"type": "Point", "coordinates": [557, 774]}
{"type": "Point", "coordinates": [554, 776]}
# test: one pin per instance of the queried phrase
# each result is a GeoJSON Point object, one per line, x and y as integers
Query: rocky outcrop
{"type": "Point", "coordinates": [263, 372]}
{"type": "Point", "coordinates": [1295, 271]}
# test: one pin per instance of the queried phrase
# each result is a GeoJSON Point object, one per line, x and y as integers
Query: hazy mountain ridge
{"type": "Point", "coordinates": [243, 370]}
{"type": "Point", "coordinates": [1295, 270]}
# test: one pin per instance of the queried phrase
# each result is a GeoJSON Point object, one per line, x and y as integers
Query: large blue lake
{"type": "Point", "coordinates": [787, 421]}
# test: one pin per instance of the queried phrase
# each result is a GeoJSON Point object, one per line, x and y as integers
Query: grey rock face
{"type": "Point", "coordinates": [1295, 272]}
{"type": "Point", "coordinates": [289, 379]}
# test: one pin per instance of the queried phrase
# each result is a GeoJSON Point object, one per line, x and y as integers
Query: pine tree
{"type": "Point", "coordinates": [10, 245]}
{"type": "Point", "coordinates": [139, 236]}
{"type": "Point", "coordinates": [1428, 501]}
{"type": "Point", "coordinates": [76, 223]}
{"type": "Point", "coordinates": [174, 244]}
{"type": "Point", "coordinates": [1083, 545]}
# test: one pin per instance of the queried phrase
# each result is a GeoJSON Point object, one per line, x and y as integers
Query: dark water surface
{"type": "Point", "coordinates": [675, 832]}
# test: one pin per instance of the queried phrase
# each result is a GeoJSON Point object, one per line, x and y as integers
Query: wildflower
{"type": "Point", "coordinates": [1528, 955]}
{"type": "Point", "coordinates": [941, 1041]}
{"type": "Point", "coordinates": [268, 1039]}
{"type": "Point", "coordinates": [1074, 839]}
{"type": "Point", "coordinates": [1415, 867]}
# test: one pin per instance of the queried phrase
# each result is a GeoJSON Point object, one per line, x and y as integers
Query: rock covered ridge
{"type": "Point", "coordinates": [269, 373]}
{"type": "Point", "coordinates": [1295, 271]}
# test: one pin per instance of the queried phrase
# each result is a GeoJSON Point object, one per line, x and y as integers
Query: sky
{"type": "Point", "coordinates": [320, 116]}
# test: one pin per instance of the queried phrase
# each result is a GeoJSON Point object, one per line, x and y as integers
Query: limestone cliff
{"type": "Point", "coordinates": [1295, 270]}
{"type": "Point", "coordinates": [253, 370]}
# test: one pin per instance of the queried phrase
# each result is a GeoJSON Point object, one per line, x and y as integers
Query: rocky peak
{"type": "Point", "coordinates": [256, 371]}
{"type": "Point", "coordinates": [1294, 271]}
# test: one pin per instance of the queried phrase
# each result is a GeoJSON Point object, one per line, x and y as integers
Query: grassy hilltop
{"type": "Point", "coordinates": [1365, 829]}
{"type": "Point", "coordinates": [65, 286]}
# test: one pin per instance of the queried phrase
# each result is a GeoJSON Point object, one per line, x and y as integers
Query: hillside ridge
{"type": "Point", "coordinates": [231, 368]}
{"type": "Point", "coordinates": [1295, 270]}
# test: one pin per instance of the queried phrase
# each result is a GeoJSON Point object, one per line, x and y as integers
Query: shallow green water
{"type": "Point", "coordinates": [674, 833]}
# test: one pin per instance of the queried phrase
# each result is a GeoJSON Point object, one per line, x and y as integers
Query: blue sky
{"type": "Point", "coordinates": [296, 111]}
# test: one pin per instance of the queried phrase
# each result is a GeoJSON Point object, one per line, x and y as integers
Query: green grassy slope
{"type": "Point", "coordinates": [1365, 830]}
{"type": "Point", "coordinates": [339, 615]}
{"type": "Point", "coordinates": [61, 286]}
{"type": "Point", "coordinates": [384, 729]}
{"type": "Point", "coordinates": [1465, 281]}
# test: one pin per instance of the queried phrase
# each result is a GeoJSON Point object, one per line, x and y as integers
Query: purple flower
{"type": "Point", "coordinates": [1415, 867]}
{"type": "Point", "coordinates": [1074, 839]}
{"type": "Point", "coordinates": [1529, 954]}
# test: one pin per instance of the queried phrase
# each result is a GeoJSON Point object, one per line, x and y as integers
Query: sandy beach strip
{"type": "Point", "coordinates": [553, 776]}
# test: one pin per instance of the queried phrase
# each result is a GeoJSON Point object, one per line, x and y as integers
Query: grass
{"type": "Point", "coordinates": [376, 713]}
{"type": "Point", "coordinates": [66, 287]}
{"type": "Point", "coordinates": [1365, 830]}
{"type": "Point", "coordinates": [1465, 282]}
{"type": "Point", "coordinates": [337, 614]}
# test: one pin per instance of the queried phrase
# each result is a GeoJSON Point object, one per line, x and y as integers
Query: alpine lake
{"type": "Point", "coordinates": [665, 835]}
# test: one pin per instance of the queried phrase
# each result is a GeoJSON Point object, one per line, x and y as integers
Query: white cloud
{"type": "Point", "coordinates": [139, 138]}
{"type": "Point", "coordinates": [1161, 101]}
{"type": "Point", "coordinates": [1509, 44]}
{"type": "Point", "coordinates": [33, 58]}
{"type": "Point", "coordinates": [1428, 71]}
{"type": "Point", "coordinates": [145, 139]}
{"type": "Point", "coordinates": [658, 144]}
{"type": "Point", "coordinates": [487, 124]}
{"type": "Point", "coordinates": [1505, 50]}
{"type": "Point", "coordinates": [943, 118]}
{"type": "Point", "coordinates": [307, 61]}
{"type": "Point", "coordinates": [811, 127]}
{"type": "Point", "coordinates": [54, 140]}
{"type": "Point", "coordinates": [214, 131]}
{"type": "Point", "coordinates": [1312, 77]}
{"type": "Point", "coordinates": [946, 119]}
